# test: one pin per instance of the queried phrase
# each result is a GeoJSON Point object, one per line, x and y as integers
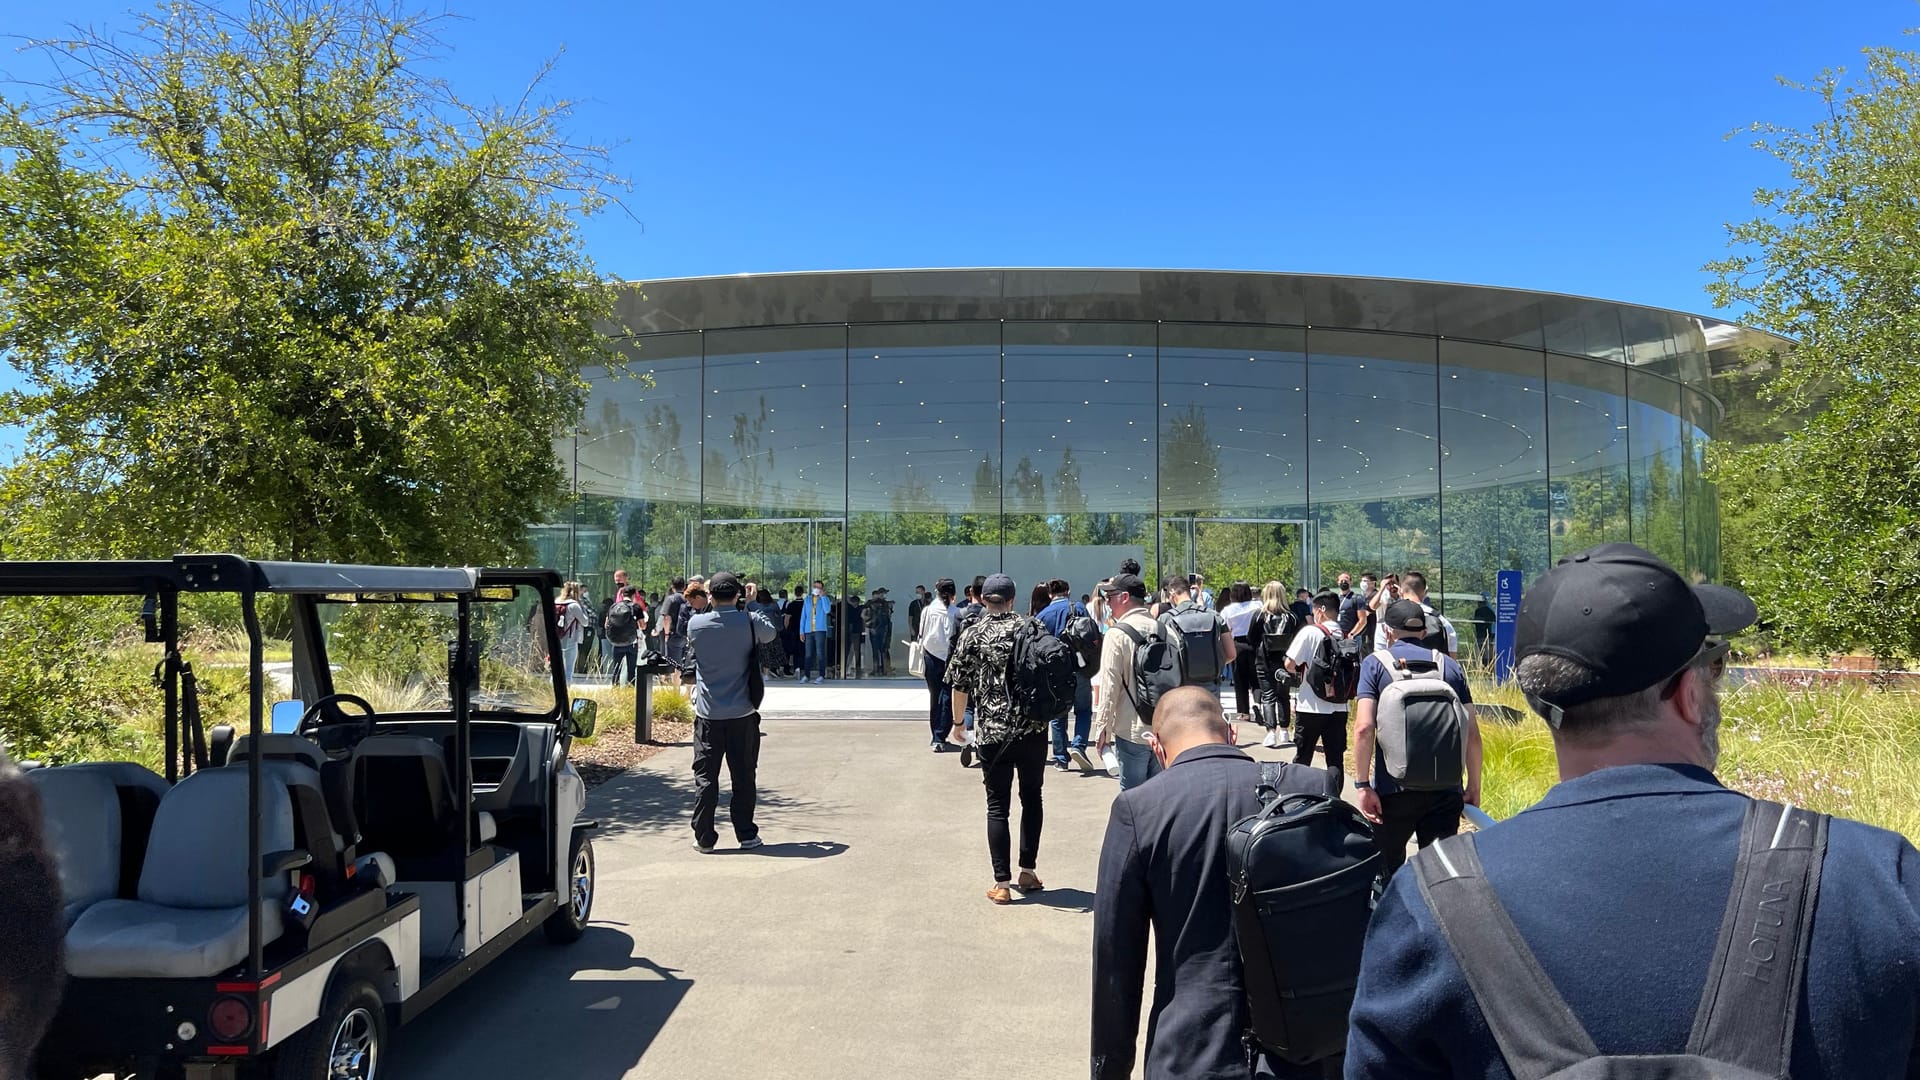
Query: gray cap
{"type": "Point", "coordinates": [999, 587]}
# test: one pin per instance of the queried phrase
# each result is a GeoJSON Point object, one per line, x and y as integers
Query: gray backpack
{"type": "Point", "coordinates": [1421, 727]}
{"type": "Point", "coordinates": [1743, 1028]}
{"type": "Point", "coordinates": [1194, 633]}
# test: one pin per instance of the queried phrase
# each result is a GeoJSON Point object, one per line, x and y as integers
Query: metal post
{"type": "Point", "coordinates": [255, 692]}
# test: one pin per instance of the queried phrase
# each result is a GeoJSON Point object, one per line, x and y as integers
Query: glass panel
{"type": "Point", "coordinates": [1232, 440]}
{"type": "Point", "coordinates": [638, 469]}
{"type": "Point", "coordinates": [924, 465]}
{"type": "Point", "coordinates": [1078, 450]}
{"type": "Point", "coordinates": [1582, 327]}
{"type": "Point", "coordinates": [775, 422]}
{"type": "Point", "coordinates": [1374, 463]}
{"type": "Point", "coordinates": [1587, 453]}
{"type": "Point", "coordinates": [1659, 470]}
{"type": "Point", "coordinates": [1493, 465]}
{"type": "Point", "coordinates": [1703, 504]}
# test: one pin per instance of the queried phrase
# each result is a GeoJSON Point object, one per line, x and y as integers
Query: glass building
{"type": "Point", "coordinates": [883, 429]}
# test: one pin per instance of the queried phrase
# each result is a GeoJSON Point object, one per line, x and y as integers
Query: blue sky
{"type": "Point", "coordinates": [1578, 148]}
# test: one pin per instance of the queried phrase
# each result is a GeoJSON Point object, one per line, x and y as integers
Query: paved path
{"type": "Point", "coordinates": [857, 944]}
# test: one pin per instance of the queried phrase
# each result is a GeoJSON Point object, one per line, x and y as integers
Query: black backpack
{"type": "Point", "coordinates": [1304, 873]}
{"type": "Point", "coordinates": [1276, 637]}
{"type": "Point", "coordinates": [1156, 668]}
{"type": "Point", "coordinates": [1195, 634]}
{"type": "Point", "coordinates": [1083, 637]}
{"type": "Point", "coordinates": [1334, 672]}
{"type": "Point", "coordinates": [623, 623]}
{"type": "Point", "coordinates": [1040, 675]}
{"type": "Point", "coordinates": [1743, 1029]}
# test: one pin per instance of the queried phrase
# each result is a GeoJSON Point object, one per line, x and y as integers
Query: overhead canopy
{"type": "Point", "coordinates": [224, 573]}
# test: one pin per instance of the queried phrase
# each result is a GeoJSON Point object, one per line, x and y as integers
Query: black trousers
{"type": "Point", "coordinates": [1404, 815]}
{"type": "Point", "coordinates": [1025, 757]}
{"type": "Point", "coordinates": [1276, 702]}
{"type": "Point", "coordinates": [1329, 730]}
{"type": "Point", "coordinates": [1245, 678]}
{"type": "Point", "coordinates": [737, 743]}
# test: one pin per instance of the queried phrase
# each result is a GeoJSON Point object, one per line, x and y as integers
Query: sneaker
{"type": "Point", "coordinates": [1272, 740]}
{"type": "Point", "coordinates": [966, 756]}
{"type": "Point", "coordinates": [1079, 757]}
{"type": "Point", "coordinates": [749, 845]}
{"type": "Point", "coordinates": [1001, 893]}
{"type": "Point", "coordinates": [1061, 766]}
{"type": "Point", "coordinates": [939, 747]}
{"type": "Point", "coordinates": [704, 849]}
{"type": "Point", "coordinates": [1029, 882]}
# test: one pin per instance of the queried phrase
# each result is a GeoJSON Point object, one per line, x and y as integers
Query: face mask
{"type": "Point", "coordinates": [816, 592]}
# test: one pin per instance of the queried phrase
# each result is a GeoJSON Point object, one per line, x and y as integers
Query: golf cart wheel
{"type": "Point", "coordinates": [347, 1042]}
{"type": "Point", "coordinates": [565, 926]}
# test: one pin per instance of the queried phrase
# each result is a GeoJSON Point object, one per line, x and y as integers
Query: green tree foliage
{"type": "Point", "coordinates": [273, 288]}
{"type": "Point", "coordinates": [1826, 520]}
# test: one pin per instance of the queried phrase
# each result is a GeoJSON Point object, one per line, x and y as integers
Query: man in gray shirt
{"type": "Point", "coordinates": [724, 647]}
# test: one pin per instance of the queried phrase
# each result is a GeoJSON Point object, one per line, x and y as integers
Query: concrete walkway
{"type": "Point", "coordinates": [858, 943]}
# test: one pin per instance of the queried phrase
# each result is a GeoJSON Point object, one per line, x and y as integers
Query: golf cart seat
{"type": "Point", "coordinates": [83, 830]}
{"type": "Point", "coordinates": [98, 816]}
{"type": "Point", "coordinates": [190, 920]}
{"type": "Point", "coordinates": [279, 746]}
{"type": "Point", "coordinates": [303, 764]}
{"type": "Point", "coordinates": [403, 799]}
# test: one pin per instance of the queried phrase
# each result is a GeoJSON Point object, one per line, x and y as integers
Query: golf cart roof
{"type": "Point", "coordinates": [228, 574]}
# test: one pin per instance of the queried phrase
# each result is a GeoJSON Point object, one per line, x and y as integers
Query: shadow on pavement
{"type": "Point", "coordinates": [800, 849]}
{"type": "Point", "coordinates": [1079, 900]}
{"type": "Point", "coordinates": [594, 1010]}
{"type": "Point", "coordinates": [653, 802]}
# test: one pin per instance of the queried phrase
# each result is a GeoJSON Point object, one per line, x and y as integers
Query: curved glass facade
{"type": "Point", "coordinates": [883, 429]}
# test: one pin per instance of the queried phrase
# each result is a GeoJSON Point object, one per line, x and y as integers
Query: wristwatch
{"type": "Point", "coordinates": [1363, 785]}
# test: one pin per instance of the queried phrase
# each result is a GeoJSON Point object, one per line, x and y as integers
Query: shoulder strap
{"type": "Point", "coordinates": [1748, 1011]}
{"type": "Point", "coordinates": [1135, 636]}
{"type": "Point", "coordinates": [1537, 1032]}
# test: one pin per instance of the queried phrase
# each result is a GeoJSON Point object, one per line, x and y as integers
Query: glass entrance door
{"type": "Point", "coordinates": [1254, 550]}
{"type": "Point", "coordinates": [777, 552]}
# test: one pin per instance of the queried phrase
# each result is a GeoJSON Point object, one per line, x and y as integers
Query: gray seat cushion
{"type": "Point", "coordinates": [135, 939]}
{"type": "Point", "coordinates": [279, 745]}
{"type": "Point", "coordinates": [83, 829]}
{"type": "Point", "coordinates": [190, 918]}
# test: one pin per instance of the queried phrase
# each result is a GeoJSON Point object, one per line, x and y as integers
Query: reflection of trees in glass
{"type": "Point", "coordinates": [1588, 508]}
{"type": "Point", "coordinates": [1189, 463]}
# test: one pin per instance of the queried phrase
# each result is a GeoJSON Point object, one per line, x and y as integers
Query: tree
{"type": "Point", "coordinates": [1829, 515]}
{"type": "Point", "coordinates": [273, 288]}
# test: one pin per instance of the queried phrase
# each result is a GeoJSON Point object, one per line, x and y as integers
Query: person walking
{"type": "Point", "coordinates": [1441, 634]}
{"type": "Point", "coordinates": [853, 636]}
{"type": "Point", "coordinates": [1117, 722]}
{"type": "Point", "coordinates": [571, 614]}
{"type": "Point", "coordinates": [1399, 815]}
{"type": "Point", "coordinates": [933, 640]}
{"type": "Point", "coordinates": [1641, 907]}
{"type": "Point", "coordinates": [621, 629]}
{"type": "Point", "coordinates": [724, 642]}
{"type": "Point", "coordinates": [914, 607]}
{"type": "Point", "coordinates": [1239, 615]}
{"type": "Point", "coordinates": [773, 655]}
{"type": "Point", "coordinates": [1185, 617]}
{"type": "Point", "coordinates": [958, 620]}
{"type": "Point", "coordinates": [1163, 868]}
{"type": "Point", "coordinates": [1010, 744]}
{"type": "Point", "coordinates": [1069, 752]}
{"type": "Point", "coordinates": [791, 611]}
{"type": "Point", "coordinates": [816, 625]}
{"type": "Point", "coordinates": [1269, 634]}
{"type": "Point", "coordinates": [1317, 722]}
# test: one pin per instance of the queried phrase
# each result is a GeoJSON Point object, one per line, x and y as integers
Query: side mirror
{"type": "Point", "coordinates": [585, 718]}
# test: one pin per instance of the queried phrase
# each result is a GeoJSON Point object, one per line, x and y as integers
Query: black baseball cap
{"type": "Point", "coordinates": [723, 585]}
{"type": "Point", "coordinates": [999, 587]}
{"type": "Point", "coordinates": [1405, 617]}
{"type": "Point", "coordinates": [1620, 611]}
{"type": "Point", "coordinates": [1125, 583]}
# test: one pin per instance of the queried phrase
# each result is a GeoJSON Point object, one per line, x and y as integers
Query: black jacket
{"type": "Point", "coordinates": [1164, 864]}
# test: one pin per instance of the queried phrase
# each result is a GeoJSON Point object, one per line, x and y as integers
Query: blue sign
{"type": "Point", "coordinates": [1506, 613]}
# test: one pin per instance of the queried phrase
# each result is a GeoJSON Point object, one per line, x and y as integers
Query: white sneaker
{"type": "Point", "coordinates": [749, 845]}
{"type": "Point", "coordinates": [704, 849]}
{"type": "Point", "coordinates": [1271, 741]}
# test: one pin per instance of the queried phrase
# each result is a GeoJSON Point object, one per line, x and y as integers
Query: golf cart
{"type": "Point", "coordinates": [276, 901]}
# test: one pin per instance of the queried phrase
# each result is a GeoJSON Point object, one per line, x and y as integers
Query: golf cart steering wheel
{"type": "Point", "coordinates": [311, 725]}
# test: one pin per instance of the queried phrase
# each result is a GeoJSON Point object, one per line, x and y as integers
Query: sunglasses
{"type": "Point", "coordinates": [1715, 651]}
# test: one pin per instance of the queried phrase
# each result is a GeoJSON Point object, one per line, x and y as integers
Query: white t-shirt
{"type": "Point", "coordinates": [1305, 644]}
{"type": "Point", "coordinates": [1240, 616]}
{"type": "Point", "coordinates": [934, 627]}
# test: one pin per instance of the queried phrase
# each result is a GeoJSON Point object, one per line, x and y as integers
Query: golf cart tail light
{"type": "Point", "coordinates": [230, 1018]}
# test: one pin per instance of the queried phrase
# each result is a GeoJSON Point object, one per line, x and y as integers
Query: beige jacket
{"type": "Point", "coordinates": [1115, 716]}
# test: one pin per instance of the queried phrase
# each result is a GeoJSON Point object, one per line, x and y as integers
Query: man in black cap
{"type": "Point", "coordinates": [723, 643]}
{"type": "Point", "coordinates": [1591, 923]}
{"type": "Point", "coordinates": [1399, 814]}
{"type": "Point", "coordinates": [1008, 744]}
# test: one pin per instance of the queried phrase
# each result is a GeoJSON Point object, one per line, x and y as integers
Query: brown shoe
{"type": "Point", "coordinates": [1029, 882]}
{"type": "Point", "coordinates": [1000, 894]}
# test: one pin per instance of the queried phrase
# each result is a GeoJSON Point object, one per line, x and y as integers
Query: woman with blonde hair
{"type": "Point", "coordinates": [1268, 636]}
{"type": "Point", "coordinates": [571, 614]}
